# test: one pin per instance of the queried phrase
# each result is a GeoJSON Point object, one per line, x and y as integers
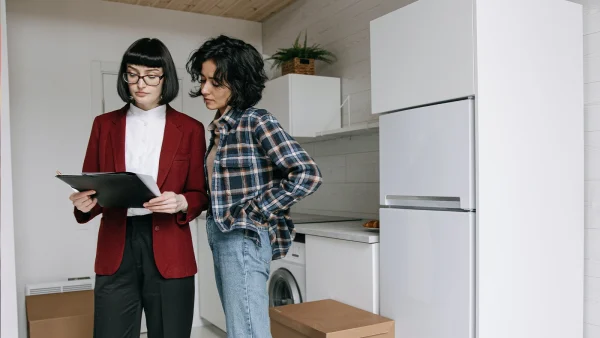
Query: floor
{"type": "Point", "coordinates": [207, 331]}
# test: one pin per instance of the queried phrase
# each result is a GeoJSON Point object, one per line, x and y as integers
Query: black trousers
{"type": "Point", "coordinates": [119, 299]}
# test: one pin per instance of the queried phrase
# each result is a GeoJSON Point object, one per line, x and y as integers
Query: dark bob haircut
{"type": "Point", "coordinates": [239, 67]}
{"type": "Point", "coordinates": [153, 53]}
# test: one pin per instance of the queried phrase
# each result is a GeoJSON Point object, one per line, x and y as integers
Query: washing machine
{"type": "Point", "coordinates": [287, 282]}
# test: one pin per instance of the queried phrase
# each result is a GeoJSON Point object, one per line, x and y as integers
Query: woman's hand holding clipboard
{"type": "Point", "coordinates": [83, 201]}
{"type": "Point", "coordinates": [111, 189]}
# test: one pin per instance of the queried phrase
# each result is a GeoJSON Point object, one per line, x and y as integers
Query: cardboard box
{"type": "Point", "coordinates": [61, 315]}
{"type": "Point", "coordinates": [327, 319]}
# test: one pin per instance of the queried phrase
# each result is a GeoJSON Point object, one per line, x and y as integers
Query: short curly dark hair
{"type": "Point", "coordinates": [240, 67]}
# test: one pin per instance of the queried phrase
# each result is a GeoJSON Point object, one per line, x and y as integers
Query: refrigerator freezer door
{"type": "Point", "coordinates": [427, 281]}
{"type": "Point", "coordinates": [427, 157]}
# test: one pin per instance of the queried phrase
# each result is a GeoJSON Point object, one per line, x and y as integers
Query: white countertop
{"type": "Point", "coordinates": [349, 231]}
{"type": "Point", "coordinates": [331, 227]}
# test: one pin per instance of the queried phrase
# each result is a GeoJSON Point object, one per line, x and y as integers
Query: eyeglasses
{"type": "Point", "coordinates": [150, 80]}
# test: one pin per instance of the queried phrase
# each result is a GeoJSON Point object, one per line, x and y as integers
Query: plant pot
{"type": "Point", "coordinates": [299, 66]}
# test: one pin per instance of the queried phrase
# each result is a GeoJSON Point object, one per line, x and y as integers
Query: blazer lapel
{"type": "Point", "coordinates": [171, 141]}
{"type": "Point", "coordinates": [117, 137]}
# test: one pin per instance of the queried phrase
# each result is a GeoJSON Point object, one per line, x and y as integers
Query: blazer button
{"type": "Point", "coordinates": [156, 228]}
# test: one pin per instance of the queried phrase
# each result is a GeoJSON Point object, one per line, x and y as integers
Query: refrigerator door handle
{"type": "Point", "coordinates": [436, 202]}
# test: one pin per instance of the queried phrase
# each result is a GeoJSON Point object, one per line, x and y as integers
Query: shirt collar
{"type": "Point", "coordinates": [230, 117]}
{"type": "Point", "coordinates": [154, 113]}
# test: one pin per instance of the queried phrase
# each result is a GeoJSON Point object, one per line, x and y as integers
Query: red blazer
{"type": "Point", "coordinates": [181, 170]}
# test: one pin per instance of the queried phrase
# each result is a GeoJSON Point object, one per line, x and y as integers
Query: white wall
{"type": "Point", "coordinates": [8, 298]}
{"type": "Point", "coordinates": [51, 47]}
{"type": "Point", "coordinates": [350, 166]}
{"type": "Point", "coordinates": [591, 41]}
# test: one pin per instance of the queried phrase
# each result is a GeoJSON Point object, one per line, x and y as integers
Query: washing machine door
{"type": "Point", "coordinates": [283, 289]}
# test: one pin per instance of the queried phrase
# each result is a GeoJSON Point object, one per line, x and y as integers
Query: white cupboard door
{"type": "Point", "coordinates": [422, 53]}
{"type": "Point", "coordinates": [276, 100]}
{"type": "Point", "coordinates": [427, 272]}
{"type": "Point", "coordinates": [427, 156]}
{"type": "Point", "coordinates": [342, 270]}
{"type": "Point", "coordinates": [315, 104]}
{"type": "Point", "coordinates": [304, 105]}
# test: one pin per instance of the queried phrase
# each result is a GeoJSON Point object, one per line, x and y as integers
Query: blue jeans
{"type": "Point", "coordinates": [241, 270]}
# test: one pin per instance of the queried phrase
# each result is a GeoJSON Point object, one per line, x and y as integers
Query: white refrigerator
{"type": "Point", "coordinates": [427, 215]}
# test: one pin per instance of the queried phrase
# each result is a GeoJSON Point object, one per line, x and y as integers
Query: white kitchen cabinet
{"type": "Point", "coordinates": [304, 104]}
{"type": "Point", "coordinates": [342, 270]}
{"type": "Point", "coordinates": [210, 303]}
{"type": "Point", "coordinates": [422, 53]}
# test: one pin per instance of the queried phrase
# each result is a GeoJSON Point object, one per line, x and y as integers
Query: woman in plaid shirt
{"type": "Point", "coordinates": [255, 171]}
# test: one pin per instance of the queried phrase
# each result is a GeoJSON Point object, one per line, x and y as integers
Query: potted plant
{"type": "Point", "coordinates": [300, 59]}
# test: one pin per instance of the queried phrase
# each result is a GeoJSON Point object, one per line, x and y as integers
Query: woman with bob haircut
{"type": "Point", "coordinates": [255, 171]}
{"type": "Point", "coordinates": [144, 257]}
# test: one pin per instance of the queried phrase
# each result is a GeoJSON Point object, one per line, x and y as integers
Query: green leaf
{"type": "Point", "coordinates": [305, 38]}
{"type": "Point", "coordinates": [316, 52]}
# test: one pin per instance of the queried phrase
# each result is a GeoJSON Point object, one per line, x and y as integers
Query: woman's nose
{"type": "Point", "coordinates": [141, 83]}
{"type": "Point", "coordinates": [204, 89]}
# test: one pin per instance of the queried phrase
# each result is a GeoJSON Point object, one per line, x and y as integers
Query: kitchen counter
{"type": "Point", "coordinates": [349, 231]}
{"type": "Point", "coordinates": [344, 228]}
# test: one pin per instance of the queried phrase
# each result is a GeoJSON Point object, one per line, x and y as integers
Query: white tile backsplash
{"type": "Point", "coordinates": [592, 216]}
{"type": "Point", "coordinates": [591, 331]}
{"type": "Point", "coordinates": [591, 40]}
{"type": "Point", "coordinates": [592, 139]}
{"type": "Point", "coordinates": [591, 68]}
{"type": "Point", "coordinates": [592, 312]}
{"type": "Point", "coordinates": [592, 163]}
{"type": "Point", "coordinates": [592, 116]}
{"type": "Point", "coordinates": [359, 198]}
{"type": "Point", "coordinates": [591, 43]}
{"type": "Point", "coordinates": [347, 145]}
{"type": "Point", "coordinates": [592, 239]}
{"type": "Point", "coordinates": [592, 268]}
{"type": "Point", "coordinates": [333, 168]}
{"type": "Point", "coordinates": [350, 168]}
{"type": "Point", "coordinates": [363, 167]}
{"type": "Point", "coordinates": [592, 288]}
{"type": "Point", "coordinates": [591, 21]}
{"type": "Point", "coordinates": [592, 193]}
{"type": "Point", "coordinates": [591, 91]}
{"type": "Point", "coordinates": [310, 148]}
{"type": "Point", "coordinates": [592, 307]}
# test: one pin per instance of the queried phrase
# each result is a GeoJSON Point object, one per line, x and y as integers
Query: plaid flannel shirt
{"type": "Point", "coordinates": [259, 173]}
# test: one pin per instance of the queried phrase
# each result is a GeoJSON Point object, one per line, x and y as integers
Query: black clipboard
{"type": "Point", "coordinates": [115, 189]}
